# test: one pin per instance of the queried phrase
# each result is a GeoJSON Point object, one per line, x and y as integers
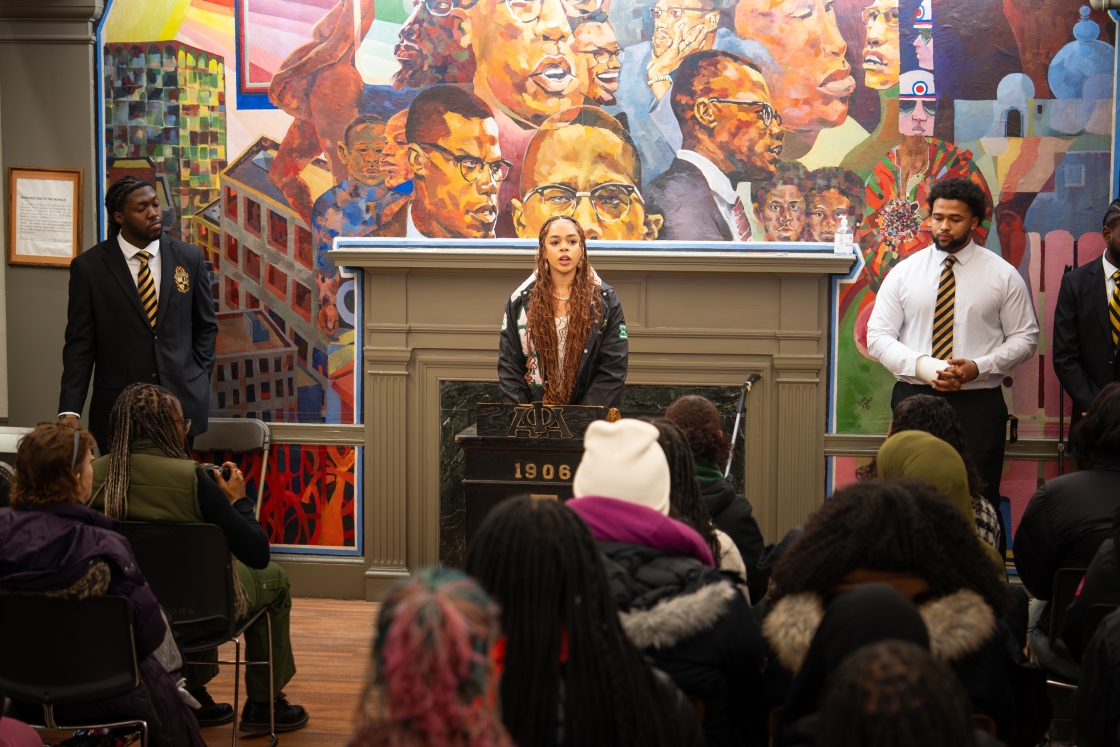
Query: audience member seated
{"type": "Point", "coordinates": [1102, 586]}
{"type": "Point", "coordinates": [1069, 517]}
{"type": "Point", "coordinates": [934, 416]}
{"type": "Point", "coordinates": [1098, 693]}
{"type": "Point", "coordinates": [570, 676]}
{"type": "Point", "coordinates": [685, 503]}
{"type": "Point", "coordinates": [922, 456]}
{"type": "Point", "coordinates": [730, 511]}
{"type": "Point", "coordinates": [149, 476]}
{"type": "Point", "coordinates": [434, 677]}
{"type": "Point", "coordinates": [677, 607]}
{"type": "Point", "coordinates": [856, 618]}
{"type": "Point", "coordinates": [52, 544]}
{"type": "Point", "coordinates": [894, 693]}
{"type": "Point", "coordinates": [902, 532]}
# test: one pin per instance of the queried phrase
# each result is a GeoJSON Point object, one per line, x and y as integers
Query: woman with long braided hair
{"type": "Point", "coordinates": [570, 674]}
{"type": "Point", "coordinates": [563, 334]}
{"type": "Point", "coordinates": [149, 476]}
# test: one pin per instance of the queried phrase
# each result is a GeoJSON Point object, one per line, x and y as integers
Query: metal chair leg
{"type": "Point", "coordinates": [236, 684]}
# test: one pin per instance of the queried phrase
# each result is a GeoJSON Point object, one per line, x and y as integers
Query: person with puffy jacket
{"type": "Point", "coordinates": [676, 605]}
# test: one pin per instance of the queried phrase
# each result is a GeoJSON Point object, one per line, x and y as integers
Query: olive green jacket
{"type": "Point", "coordinates": [160, 488]}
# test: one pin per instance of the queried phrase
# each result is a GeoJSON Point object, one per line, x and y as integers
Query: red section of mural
{"type": "Point", "coordinates": [309, 493]}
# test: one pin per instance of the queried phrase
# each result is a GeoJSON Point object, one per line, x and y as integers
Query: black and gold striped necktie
{"type": "Point", "coordinates": [147, 287]}
{"type": "Point", "coordinates": [1114, 309]}
{"type": "Point", "coordinates": [943, 312]}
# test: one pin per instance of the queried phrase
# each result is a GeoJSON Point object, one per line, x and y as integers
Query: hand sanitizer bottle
{"type": "Point", "coordinates": [842, 242]}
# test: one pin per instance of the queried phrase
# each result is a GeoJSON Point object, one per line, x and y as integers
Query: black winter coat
{"type": "Point", "coordinates": [732, 514]}
{"type": "Point", "coordinates": [1102, 586]}
{"type": "Point", "coordinates": [697, 627]}
{"type": "Point", "coordinates": [1065, 522]}
{"type": "Point", "coordinates": [601, 376]}
{"type": "Point", "coordinates": [1098, 691]}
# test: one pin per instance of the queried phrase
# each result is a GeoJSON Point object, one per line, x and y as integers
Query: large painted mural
{"type": "Point", "coordinates": [273, 126]}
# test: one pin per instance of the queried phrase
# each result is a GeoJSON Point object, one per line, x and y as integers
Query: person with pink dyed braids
{"type": "Point", "coordinates": [432, 667]}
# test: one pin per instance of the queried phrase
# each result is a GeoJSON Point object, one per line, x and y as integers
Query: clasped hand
{"type": "Point", "coordinates": [960, 372]}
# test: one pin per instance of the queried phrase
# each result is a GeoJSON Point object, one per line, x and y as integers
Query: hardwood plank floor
{"type": "Point", "coordinates": [331, 640]}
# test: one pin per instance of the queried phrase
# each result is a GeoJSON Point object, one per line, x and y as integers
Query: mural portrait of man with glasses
{"type": "Point", "coordinates": [731, 134]}
{"type": "Point", "coordinates": [582, 164]}
{"type": "Point", "coordinates": [457, 167]}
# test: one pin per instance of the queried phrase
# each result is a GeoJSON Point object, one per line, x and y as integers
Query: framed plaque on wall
{"type": "Point", "coordinates": [44, 216]}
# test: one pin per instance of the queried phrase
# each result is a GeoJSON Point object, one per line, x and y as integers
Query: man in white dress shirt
{"type": "Point", "coordinates": [952, 320]}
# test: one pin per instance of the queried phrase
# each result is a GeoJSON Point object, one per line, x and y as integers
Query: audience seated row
{"type": "Point", "coordinates": [625, 615]}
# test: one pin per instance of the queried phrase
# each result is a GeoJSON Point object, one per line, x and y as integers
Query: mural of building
{"type": "Point", "coordinates": [165, 102]}
{"type": "Point", "coordinates": [266, 263]}
{"type": "Point", "coordinates": [254, 371]}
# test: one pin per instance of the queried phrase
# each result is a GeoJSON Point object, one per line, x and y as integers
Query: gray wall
{"type": "Point", "coordinates": [46, 119]}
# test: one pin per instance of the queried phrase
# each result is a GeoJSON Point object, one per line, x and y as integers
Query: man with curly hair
{"type": "Point", "coordinates": [834, 193]}
{"type": "Point", "coordinates": [780, 203]}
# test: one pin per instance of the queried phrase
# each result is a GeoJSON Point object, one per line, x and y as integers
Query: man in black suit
{"type": "Point", "coordinates": [730, 133]}
{"type": "Point", "coordinates": [140, 309]}
{"type": "Point", "coordinates": [1087, 322]}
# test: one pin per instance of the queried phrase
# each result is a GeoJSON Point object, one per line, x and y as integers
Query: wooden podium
{"type": "Point", "coordinates": [517, 450]}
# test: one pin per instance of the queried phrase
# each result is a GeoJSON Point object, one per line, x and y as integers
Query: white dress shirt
{"type": "Point", "coordinates": [722, 189]}
{"type": "Point", "coordinates": [994, 322]}
{"type": "Point", "coordinates": [1109, 283]}
{"type": "Point", "coordinates": [133, 261]}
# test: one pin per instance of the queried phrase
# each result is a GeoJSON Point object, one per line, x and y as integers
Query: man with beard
{"type": "Point", "coordinates": [814, 80]}
{"type": "Point", "coordinates": [457, 167]}
{"type": "Point", "coordinates": [582, 164]}
{"type": "Point", "coordinates": [952, 320]}
{"type": "Point", "coordinates": [427, 50]}
{"type": "Point", "coordinates": [525, 69]}
{"type": "Point", "coordinates": [731, 133]}
{"type": "Point", "coordinates": [649, 69]}
{"type": "Point", "coordinates": [599, 50]}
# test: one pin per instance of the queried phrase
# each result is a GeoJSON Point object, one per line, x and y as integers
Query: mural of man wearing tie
{"type": "Point", "coordinates": [141, 309]}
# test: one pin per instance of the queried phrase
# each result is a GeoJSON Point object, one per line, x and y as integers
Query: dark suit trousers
{"type": "Point", "coordinates": [983, 415]}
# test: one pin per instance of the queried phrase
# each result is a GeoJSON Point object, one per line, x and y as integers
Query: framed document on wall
{"type": "Point", "coordinates": [44, 216]}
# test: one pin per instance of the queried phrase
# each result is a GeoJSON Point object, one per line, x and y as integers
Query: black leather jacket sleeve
{"type": "Point", "coordinates": [511, 359]}
{"type": "Point", "coordinates": [608, 368]}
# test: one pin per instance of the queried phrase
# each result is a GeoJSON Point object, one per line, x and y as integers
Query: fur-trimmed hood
{"type": "Point", "coordinates": [958, 624]}
{"type": "Point", "coordinates": [678, 618]}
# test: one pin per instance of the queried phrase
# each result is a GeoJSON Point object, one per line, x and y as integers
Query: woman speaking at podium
{"type": "Point", "coordinates": [563, 335]}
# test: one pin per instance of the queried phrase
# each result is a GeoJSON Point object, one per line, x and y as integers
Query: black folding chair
{"type": "Point", "coordinates": [1063, 592]}
{"type": "Point", "coordinates": [191, 573]}
{"type": "Point", "coordinates": [44, 661]}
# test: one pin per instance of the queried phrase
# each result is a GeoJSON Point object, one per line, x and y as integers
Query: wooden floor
{"type": "Point", "coordinates": [331, 641]}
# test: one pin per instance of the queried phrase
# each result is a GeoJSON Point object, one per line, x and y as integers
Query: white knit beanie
{"type": "Point", "coordinates": [624, 461]}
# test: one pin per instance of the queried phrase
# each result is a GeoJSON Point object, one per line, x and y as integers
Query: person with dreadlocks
{"type": "Point", "coordinates": [731, 512]}
{"type": "Point", "coordinates": [570, 675]}
{"type": "Point", "coordinates": [685, 503]}
{"type": "Point", "coordinates": [148, 475]}
{"type": "Point", "coordinates": [563, 334]}
{"type": "Point", "coordinates": [677, 606]}
{"type": "Point", "coordinates": [907, 534]}
{"type": "Point", "coordinates": [434, 678]}
{"type": "Point", "coordinates": [140, 310]}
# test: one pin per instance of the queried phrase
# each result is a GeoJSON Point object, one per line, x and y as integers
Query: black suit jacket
{"type": "Point", "coordinates": [682, 197]}
{"type": "Point", "coordinates": [1084, 356]}
{"type": "Point", "coordinates": [108, 335]}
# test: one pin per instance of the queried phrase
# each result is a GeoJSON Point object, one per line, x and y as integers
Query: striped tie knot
{"type": "Point", "coordinates": [944, 312]}
{"type": "Point", "coordinates": [144, 257]}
